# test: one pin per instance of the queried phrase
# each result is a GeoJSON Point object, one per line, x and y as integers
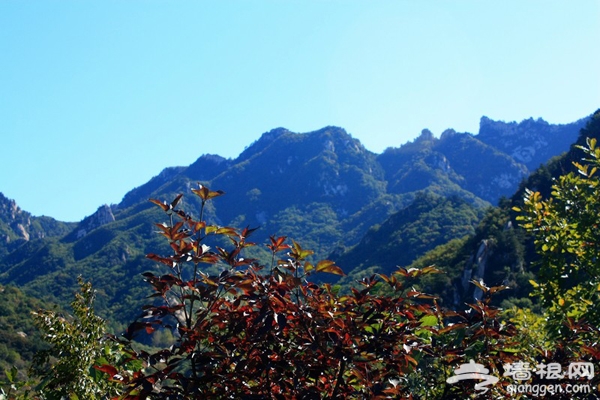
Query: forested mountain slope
{"type": "Point", "coordinates": [322, 188]}
{"type": "Point", "coordinates": [500, 252]}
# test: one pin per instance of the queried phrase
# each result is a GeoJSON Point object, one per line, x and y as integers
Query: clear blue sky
{"type": "Point", "coordinates": [96, 97]}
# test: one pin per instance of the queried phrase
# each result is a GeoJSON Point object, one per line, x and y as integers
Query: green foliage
{"type": "Point", "coordinates": [531, 329]}
{"type": "Point", "coordinates": [320, 220]}
{"type": "Point", "coordinates": [447, 258]}
{"type": "Point", "coordinates": [13, 387]}
{"type": "Point", "coordinates": [567, 237]}
{"type": "Point", "coordinates": [68, 369]}
{"type": "Point", "coordinates": [505, 257]}
{"type": "Point", "coordinates": [426, 223]}
{"type": "Point", "coordinates": [19, 338]}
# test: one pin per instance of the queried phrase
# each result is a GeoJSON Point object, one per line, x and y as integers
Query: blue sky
{"type": "Point", "coordinates": [96, 97]}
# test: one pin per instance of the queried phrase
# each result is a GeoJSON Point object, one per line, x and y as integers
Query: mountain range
{"type": "Point", "coordinates": [322, 188]}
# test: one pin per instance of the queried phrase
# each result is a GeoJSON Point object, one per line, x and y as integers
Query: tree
{"type": "Point", "coordinates": [566, 231]}
{"type": "Point", "coordinates": [255, 331]}
{"type": "Point", "coordinates": [78, 344]}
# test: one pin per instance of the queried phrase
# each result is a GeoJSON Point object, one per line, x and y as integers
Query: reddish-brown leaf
{"type": "Point", "coordinates": [107, 369]}
{"type": "Point", "coordinates": [329, 267]}
{"type": "Point", "coordinates": [161, 204]}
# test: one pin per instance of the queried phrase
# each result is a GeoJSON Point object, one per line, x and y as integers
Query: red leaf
{"type": "Point", "coordinates": [176, 201]}
{"type": "Point", "coordinates": [277, 244]}
{"type": "Point", "coordinates": [107, 369]}
{"type": "Point", "coordinates": [161, 204]}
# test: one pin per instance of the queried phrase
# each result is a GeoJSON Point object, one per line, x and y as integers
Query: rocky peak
{"type": "Point", "coordinates": [334, 139]}
{"type": "Point", "coordinates": [206, 167]}
{"type": "Point", "coordinates": [426, 135]}
{"type": "Point", "coordinates": [447, 134]}
{"type": "Point", "coordinates": [141, 193]}
{"type": "Point", "coordinates": [101, 217]}
{"type": "Point", "coordinates": [212, 158]}
{"type": "Point", "coordinates": [18, 220]}
{"type": "Point", "coordinates": [9, 210]}
{"type": "Point", "coordinates": [531, 141]}
{"type": "Point", "coordinates": [528, 127]}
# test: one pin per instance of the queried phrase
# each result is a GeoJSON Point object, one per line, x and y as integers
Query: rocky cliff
{"type": "Point", "coordinates": [102, 216]}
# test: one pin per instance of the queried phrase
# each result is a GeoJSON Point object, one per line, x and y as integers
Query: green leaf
{"type": "Point", "coordinates": [308, 267]}
{"type": "Point", "coordinates": [299, 253]}
{"type": "Point", "coordinates": [511, 350]}
{"type": "Point", "coordinates": [210, 229]}
{"type": "Point", "coordinates": [429, 320]}
{"type": "Point", "coordinates": [11, 374]}
{"type": "Point", "coordinates": [591, 143]}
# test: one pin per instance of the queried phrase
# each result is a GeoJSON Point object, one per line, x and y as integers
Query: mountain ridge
{"type": "Point", "coordinates": [323, 188]}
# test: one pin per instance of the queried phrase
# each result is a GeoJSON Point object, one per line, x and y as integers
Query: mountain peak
{"type": "Point", "coordinates": [488, 126]}
{"type": "Point", "coordinates": [531, 141]}
{"type": "Point", "coordinates": [18, 221]}
{"type": "Point", "coordinates": [265, 140]}
{"type": "Point", "coordinates": [8, 207]}
{"type": "Point", "coordinates": [101, 217]}
{"type": "Point", "coordinates": [17, 225]}
{"type": "Point", "coordinates": [273, 134]}
{"type": "Point", "coordinates": [426, 135]}
{"type": "Point", "coordinates": [447, 134]}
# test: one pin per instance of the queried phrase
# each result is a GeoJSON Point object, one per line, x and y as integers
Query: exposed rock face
{"type": "Point", "coordinates": [475, 269]}
{"type": "Point", "coordinates": [101, 217]}
{"type": "Point", "coordinates": [21, 229]}
{"type": "Point", "coordinates": [18, 220]}
{"type": "Point", "coordinates": [18, 227]}
{"type": "Point", "coordinates": [9, 208]}
{"type": "Point", "coordinates": [439, 161]}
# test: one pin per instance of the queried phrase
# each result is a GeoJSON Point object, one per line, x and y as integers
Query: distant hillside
{"type": "Point", "coordinates": [19, 338]}
{"type": "Point", "coordinates": [488, 165]}
{"type": "Point", "coordinates": [531, 142]}
{"type": "Point", "coordinates": [427, 222]}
